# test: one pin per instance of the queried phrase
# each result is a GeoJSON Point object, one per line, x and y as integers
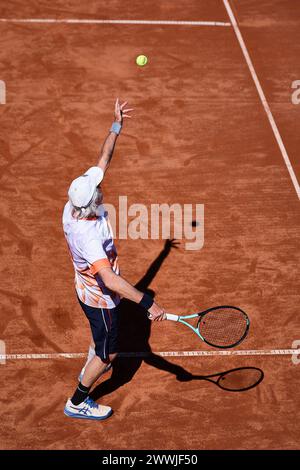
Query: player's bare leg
{"type": "Point", "coordinates": [94, 370]}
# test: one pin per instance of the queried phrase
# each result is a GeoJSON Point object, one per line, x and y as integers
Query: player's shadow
{"type": "Point", "coordinates": [134, 333]}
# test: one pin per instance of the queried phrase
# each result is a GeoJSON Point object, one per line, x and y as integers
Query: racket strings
{"type": "Point", "coordinates": [223, 327]}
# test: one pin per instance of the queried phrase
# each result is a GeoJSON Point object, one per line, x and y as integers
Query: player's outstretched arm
{"type": "Point", "coordinates": [125, 289]}
{"type": "Point", "coordinates": [110, 141]}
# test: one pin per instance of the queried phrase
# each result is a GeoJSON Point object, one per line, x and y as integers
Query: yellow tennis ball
{"type": "Point", "coordinates": [141, 60]}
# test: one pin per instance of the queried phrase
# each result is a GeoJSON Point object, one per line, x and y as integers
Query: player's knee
{"type": "Point", "coordinates": [101, 354]}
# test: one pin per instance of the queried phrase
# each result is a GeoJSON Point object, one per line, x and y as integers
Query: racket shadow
{"type": "Point", "coordinates": [239, 379]}
{"type": "Point", "coordinates": [134, 334]}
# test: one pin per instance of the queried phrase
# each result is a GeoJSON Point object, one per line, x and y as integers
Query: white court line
{"type": "Point", "coordinates": [263, 98]}
{"type": "Point", "coordinates": [95, 21]}
{"type": "Point", "coordinates": [242, 352]}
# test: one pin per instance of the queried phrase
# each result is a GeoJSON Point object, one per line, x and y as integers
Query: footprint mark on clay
{"type": "Point", "coordinates": [37, 336]}
{"type": "Point", "coordinates": [25, 245]}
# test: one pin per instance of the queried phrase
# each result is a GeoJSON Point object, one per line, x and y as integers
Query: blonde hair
{"type": "Point", "coordinates": [90, 210]}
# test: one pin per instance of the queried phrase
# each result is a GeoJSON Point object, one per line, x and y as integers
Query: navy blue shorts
{"type": "Point", "coordinates": [104, 326]}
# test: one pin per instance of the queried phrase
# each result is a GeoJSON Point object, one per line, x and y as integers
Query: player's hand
{"type": "Point", "coordinates": [121, 112]}
{"type": "Point", "coordinates": [169, 244]}
{"type": "Point", "coordinates": [156, 313]}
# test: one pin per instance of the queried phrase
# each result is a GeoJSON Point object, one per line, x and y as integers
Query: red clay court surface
{"type": "Point", "coordinates": [200, 134]}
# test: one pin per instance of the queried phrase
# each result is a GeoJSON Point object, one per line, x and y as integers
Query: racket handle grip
{"type": "Point", "coordinates": [170, 316]}
{"type": "Point", "coordinates": [167, 316]}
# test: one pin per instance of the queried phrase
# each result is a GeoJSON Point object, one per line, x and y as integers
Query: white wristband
{"type": "Point", "coordinates": [116, 128]}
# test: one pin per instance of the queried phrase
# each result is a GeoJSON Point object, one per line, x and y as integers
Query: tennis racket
{"type": "Point", "coordinates": [220, 327]}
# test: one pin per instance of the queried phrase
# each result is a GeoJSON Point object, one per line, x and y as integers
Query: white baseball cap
{"type": "Point", "coordinates": [82, 188]}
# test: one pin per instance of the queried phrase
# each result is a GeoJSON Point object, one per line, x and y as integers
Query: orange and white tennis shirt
{"type": "Point", "coordinates": [91, 247]}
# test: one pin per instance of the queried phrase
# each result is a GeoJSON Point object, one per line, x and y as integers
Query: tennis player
{"type": "Point", "coordinates": [98, 283]}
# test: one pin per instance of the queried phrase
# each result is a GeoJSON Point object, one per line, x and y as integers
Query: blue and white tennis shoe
{"type": "Point", "coordinates": [88, 409]}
